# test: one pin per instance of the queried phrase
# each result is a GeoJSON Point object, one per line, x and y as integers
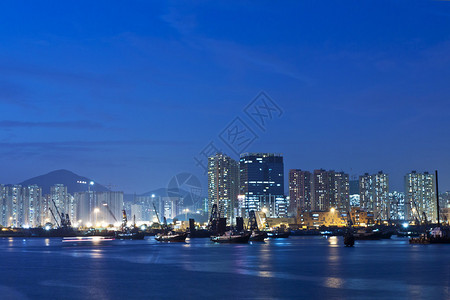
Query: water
{"type": "Point", "coordinates": [298, 267]}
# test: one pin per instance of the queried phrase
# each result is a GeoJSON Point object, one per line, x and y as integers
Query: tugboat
{"type": "Point", "coordinates": [349, 237]}
{"type": "Point", "coordinates": [197, 233]}
{"type": "Point", "coordinates": [257, 235]}
{"type": "Point", "coordinates": [278, 234]}
{"type": "Point", "coordinates": [217, 225]}
{"type": "Point", "coordinates": [232, 238]}
{"type": "Point", "coordinates": [127, 233]}
{"type": "Point", "coordinates": [168, 235]}
{"type": "Point", "coordinates": [171, 236]}
{"type": "Point", "coordinates": [368, 234]}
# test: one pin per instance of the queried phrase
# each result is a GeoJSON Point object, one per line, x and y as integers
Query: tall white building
{"type": "Point", "coordinates": [223, 184]}
{"type": "Point", "coordinates": [60, 199]}
{"type": "Point", "coordinates": [374, 194]}
{"type": "Point", "coordinates": [32, 198]}
{"type": "Point", "coordinates": [397, 202]}
{"type": "Point", "coordinates": [420, 190]}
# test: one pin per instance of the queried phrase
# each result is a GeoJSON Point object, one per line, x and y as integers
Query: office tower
{"type": "Point", "coordinates": [397, 205]}
{"type": "Point", "coordinates": [262, 183]}
{"type": "Point", "coordinates": [223, 184]}
{"type": "Point", "coordinates": [420, 190]}
{"type": "Point", "coordinates": [299, 191]}
{"type": "Point", "coordinates": [374, 194]}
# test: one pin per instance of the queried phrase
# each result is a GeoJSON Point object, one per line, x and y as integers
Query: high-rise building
{"type": "Point", "coordinates": [299, 191]}
{"type": "Point", "coordinates": [397, 205]}
{"type": "Point", "coordinates": [223, 184]}
{"type": "Point", "coordinates": [355, 200]}
{"type": "Point", "coordinates": [32, 198]}
{"type": "Point", "coordinates": [354, 186]}
{"type": "Point", "coordinates": [330, 189]}
{"type": "Point", "coordinates": [4, 212]}
{"type": "Point", "coordinates": [262, 183]}
{"type": "Point", "coordinates": [16, 206]}
{"type": "Point", "coordinates": [60, 199]}
{"type": "Point", "coordinates": [374, 194]}
{"type": "Point", "coordinates": [110, 206]}
{"type": "Point", "coordinates": [341, 191]}
{"type": "Point", "coordinates": [98, 207]}
{"type": "Point", "coordinates": [420, 192]}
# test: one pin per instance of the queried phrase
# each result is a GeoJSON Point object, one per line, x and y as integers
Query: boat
{"type": "Point", "coordinates": [232, 238]}
{"type": "Point", "coordinates": [349, 239]}
{"type": "Point", "coordinates": [83, 239]}
{"type": "Point", "coordinates": [171, 236]}
{"type": "Point", "coordinates": [127, 233]}
{"type": "Point", "coordinates": [278, 234]}
{"type": "Point", "coordinates": [368, 234]}
{"type": "Point", "coordinates": [130, 235]}
{"type": "Point", "coordinates": [258, 236]}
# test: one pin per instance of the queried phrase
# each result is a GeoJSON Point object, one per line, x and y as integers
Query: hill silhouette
{"type": "Point", "coordinates": [65, 177]}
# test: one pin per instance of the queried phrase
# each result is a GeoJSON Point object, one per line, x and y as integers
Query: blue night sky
{"type": "Point", "coordinates": [129, 92]}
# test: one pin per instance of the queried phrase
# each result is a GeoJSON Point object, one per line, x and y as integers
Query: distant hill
{"type": "Point", "coordinates": [65, 177]}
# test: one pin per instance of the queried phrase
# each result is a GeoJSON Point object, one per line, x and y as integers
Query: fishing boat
{"type": "Point", "coordinates": [127, 233]}
{"type": "Point", "coordinates": [368, 234]}
{"type": "Point", "coordinates": [278, 234]}
{"type": "Point", "coordinates": [232, 238]}
{"type": "Point", "coordinates": [349, 239]}
{"type": "Point", "coordinates": [130, 235]}
{"type": "Point", "coordinates": [171, 236]}
{"type": "Point", "coordinates": [258, 236]}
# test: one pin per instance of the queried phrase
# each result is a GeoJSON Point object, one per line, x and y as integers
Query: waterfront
{"type": "Point", "coordinates": [308, 267]}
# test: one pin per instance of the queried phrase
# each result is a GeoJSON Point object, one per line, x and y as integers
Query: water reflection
{"type": "Point", "coordinates": [392, 270]}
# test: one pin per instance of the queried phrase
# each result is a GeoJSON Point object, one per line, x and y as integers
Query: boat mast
{"type": "Point", "coordinates": [437, 197]}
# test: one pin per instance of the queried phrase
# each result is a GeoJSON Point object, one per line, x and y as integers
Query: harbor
{"type": "Point", "coordinates": [299, 266]}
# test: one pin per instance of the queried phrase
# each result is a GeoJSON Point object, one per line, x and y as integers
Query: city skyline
{"type": "Point", "coordinates": [131, 97]}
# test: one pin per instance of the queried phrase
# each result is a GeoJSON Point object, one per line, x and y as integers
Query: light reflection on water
{"type": "Point", "coordinates": [392, 267]}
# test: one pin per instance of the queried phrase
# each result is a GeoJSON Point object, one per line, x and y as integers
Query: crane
{"type": "Point", "coordinates": [157, 217]}
{"type": "Point", "coordinates": [124, 219]}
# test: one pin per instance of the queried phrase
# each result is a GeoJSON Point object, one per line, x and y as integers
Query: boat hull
{"type": "Point", "coordinates": [278, 235]}
{"type": "Point", "coordinates": [172, 238]}
{"type": "Point", "coordinates": [258, 236]}
{"type": "Point", "coordinates": [232, 239]}
{"type": "Point", "coordinates": [130, 236]}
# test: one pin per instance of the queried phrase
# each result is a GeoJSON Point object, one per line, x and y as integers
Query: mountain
{"type": "Point", "coordinates": [65, 177]}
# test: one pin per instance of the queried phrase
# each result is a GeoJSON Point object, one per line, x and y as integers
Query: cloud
{"type": "Point", "coordinates": [82, 124]}
{"type": "Point", "coordinates": [71, 150]}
